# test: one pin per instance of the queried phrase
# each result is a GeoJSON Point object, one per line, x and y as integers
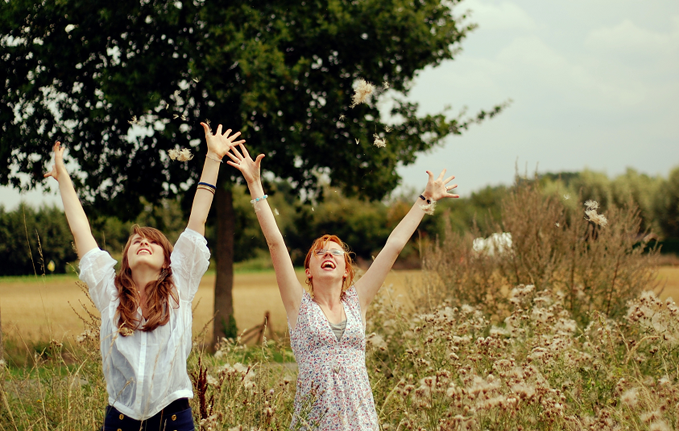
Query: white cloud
{"type": "Point", "coordinates": [503, 16]}
{"type": "Point", "coordinates": [627, 39]}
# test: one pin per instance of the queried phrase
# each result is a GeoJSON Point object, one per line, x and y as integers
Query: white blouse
{"type": "Point", "coordinates": [146, 371]}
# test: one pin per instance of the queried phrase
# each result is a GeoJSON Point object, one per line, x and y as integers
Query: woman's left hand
{"type": "Point", "coordinates": [438, 188]}
{"type": "Point", "coordinates": [220, 143]}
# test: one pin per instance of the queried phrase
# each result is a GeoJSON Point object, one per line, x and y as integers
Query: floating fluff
{"type": "Point", "coordinates": [379, 142]}
{"type": "Point", "coordinates": [183, 155]}
{"type": "Point", "coordinates": [362, 92]}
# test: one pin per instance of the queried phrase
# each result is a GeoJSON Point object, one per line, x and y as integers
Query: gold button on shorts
{"type": "Point", "coordinates": [174, 417]}
{"type": "Point", "coordinates": [121, 417]}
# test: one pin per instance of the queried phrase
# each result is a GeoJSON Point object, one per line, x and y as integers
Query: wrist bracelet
{"type": "Point", "coordinates": [202, 187]}
{"type": "Point", "coordinates": [207, 184]}
{"type": "Point", "coordinates": [424, 199]}
{"type": "Point", "coordinates": [255, 200]}
{"type": "Point", "coordinates": [213, 158]}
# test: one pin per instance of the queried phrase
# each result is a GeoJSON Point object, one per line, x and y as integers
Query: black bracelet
{"type": "Point", "coordinates": [425, 199]}
{"type": "Point", "coordinates": [207, 184]}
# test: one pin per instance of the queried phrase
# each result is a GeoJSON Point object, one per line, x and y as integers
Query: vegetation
{"type": "Point", "coordinates": [533, 351]}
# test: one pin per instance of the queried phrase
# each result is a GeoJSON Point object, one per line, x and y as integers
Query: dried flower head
{"type": "Point", "coordinates": [599, 219]}
{"type": "Point", "coordinates": [387, 129]}
{"type": "Point", "coordinates": [125, 331]}
{"type": "Point", "coordinates": [362, 92]}
{"type": "Point", "coordinates": [592, 205]}
{"type": "Point", "coordinates": [379, 142]}
{"type": "Point", "coordinates": [182, 155]}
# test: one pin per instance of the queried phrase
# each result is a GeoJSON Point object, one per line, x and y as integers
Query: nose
{"type": "Point", "coordinates": [144, 241]}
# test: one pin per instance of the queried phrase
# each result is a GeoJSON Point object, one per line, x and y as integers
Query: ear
{"type": "Point", "coordinates": [308, 273]}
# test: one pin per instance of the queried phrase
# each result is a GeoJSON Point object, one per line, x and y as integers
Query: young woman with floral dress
{"type": "Point", "coordinates": [145, 333]}
{"type": "Point", "coordinates": [327, 323]}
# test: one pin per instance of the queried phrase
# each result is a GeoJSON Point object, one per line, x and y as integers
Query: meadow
{"type": "Point", "coordinates": [572, 327]}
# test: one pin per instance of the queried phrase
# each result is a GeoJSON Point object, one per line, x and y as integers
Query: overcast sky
{"type": "Point", "coordinates": [594, 84]}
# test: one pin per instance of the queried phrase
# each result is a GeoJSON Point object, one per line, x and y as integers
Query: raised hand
{"type": "Point", "coordinates": [438, 189]}
{"type": "Point", "coordinates": [244, 163]}
{"type": "Point", "coordinates": [220, 143]}
{"type": "Point", "coordinates": [59, 165]}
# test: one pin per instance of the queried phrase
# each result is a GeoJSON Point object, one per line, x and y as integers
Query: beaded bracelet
{"type": "Point", "coordinates": [255, 200]}
{"type": "Point", "coordinates": [425, 199]}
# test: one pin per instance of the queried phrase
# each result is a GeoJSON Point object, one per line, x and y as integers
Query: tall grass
{"type": "Point", "coordinates": [554, 333]}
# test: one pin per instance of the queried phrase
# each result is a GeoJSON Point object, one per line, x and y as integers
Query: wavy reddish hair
{"type": "Point", "coordinates": [321, 243]}
{"type": "Point", "coordinates": [159, 291]}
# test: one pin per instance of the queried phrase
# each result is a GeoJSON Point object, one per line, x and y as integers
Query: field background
{"type": "Point", "coordinates": [39, 308]}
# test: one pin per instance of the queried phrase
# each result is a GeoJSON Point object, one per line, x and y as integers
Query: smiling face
{"type": "Point", "coordinates": [147, 248]}
{"type": "Point", "coordinates": [328, 260]}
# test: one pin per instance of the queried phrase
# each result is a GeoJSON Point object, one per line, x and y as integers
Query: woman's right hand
{"type": "Point", "coordinates": [59, 165]}
{"type": "Point", "coordinates": [242, 161]}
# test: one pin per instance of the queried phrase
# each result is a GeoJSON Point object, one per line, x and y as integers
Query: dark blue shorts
{"type": "Point", "coordinates": [175, 417]}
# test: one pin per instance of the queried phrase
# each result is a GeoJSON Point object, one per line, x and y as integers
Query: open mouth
{"type": "Point", "coordinates": [328, 264]}
{"type": "Point", "coordinates": [144, 251]}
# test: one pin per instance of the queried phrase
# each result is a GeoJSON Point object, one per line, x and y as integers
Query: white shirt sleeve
{"type": "Point", "coordinates": [189, 261]}
{"type": "Point", "coordinates": [97, 270]}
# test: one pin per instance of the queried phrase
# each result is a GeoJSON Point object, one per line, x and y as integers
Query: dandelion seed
{"type": "Point", "coordinates": [341, 117]}
{"type": "Point", "coordinates": [312, 209]}
{"type": "Point", "coordinates": [182, 155]}
{"type": "Point", "coordinates": [196, 80]}
{"type": "Point", "coordinates": [379, 142]}
{"type": "Point", "coordinates": [275, 211]}
{"type": "Point", "coordinates": [385, 85]}
{"type": "Point", "coordinates": [212, 381]}
{"type": "Point", "coordinates": [125, 331]}
{"type": "Point", "coordinates": [387, 129]}
{"type": "Point", "coordinates": [557, 225]}
{"type": "Point", "coordinates": [357, 141]}
{"type": "Point", "coordinates": [133, 121]}
{"type": "Point", "coordinates": [428, 208]}
{"type": "Point", "coordinates": [175, 116]}
{"type": "Point", "coordinates": [566, 197]}
{"type": "Point", "coordinates": [362, 93]}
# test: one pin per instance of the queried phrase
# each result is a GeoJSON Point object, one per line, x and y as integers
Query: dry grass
{"type": "Point", "coordinates": [38, 309]}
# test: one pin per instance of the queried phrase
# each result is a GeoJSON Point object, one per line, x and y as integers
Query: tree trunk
{"type": "Point", "coordinates": [224, 324]}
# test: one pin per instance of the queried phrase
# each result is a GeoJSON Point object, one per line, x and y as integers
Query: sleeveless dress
{"type": "Point", "coordinates": [333, 391]}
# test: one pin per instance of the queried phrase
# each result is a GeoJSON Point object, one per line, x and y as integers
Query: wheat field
{"type": "Point", "coordinates": [39, 308]}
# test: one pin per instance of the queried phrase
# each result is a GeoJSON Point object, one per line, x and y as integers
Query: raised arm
{"type": "Point", "coordinates": [290, 288]}
{"type": "Point", "coordinates": [75, 215]}
{"type": "Point", "coordinates": [373, 278]}
{"type": "Point", "coordinates": [217, 146]}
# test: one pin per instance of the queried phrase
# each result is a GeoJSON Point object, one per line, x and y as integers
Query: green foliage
{"type": "Point", "coordinates": [667, 205]}
{"type": "Point", "coordinates": [30, 239]}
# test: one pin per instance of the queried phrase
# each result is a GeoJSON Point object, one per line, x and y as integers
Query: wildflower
{"type": "Point", "coordinates": [376, 340]}
{"type": "Point", "coordinates": [592, 205]}
{"type": "Point", "coordinates": [630, 397]}
{"type": "Point", "coordinates": [379, 142]}
{"type": "Point", "coordinates": [3, 364]}
{"type": "Point", "coordinates": [595, 218]}
{"type": "Point", "coordinates": [85, 336]}
{"type": "Point", "coordinates": [341, 117]}
{"type": "Point", "coordinates": [362, 92]}
{"type": "Point", "coordinates": [56, 344]}
{"type": "Point", "coordinates": [212, 381]}
{"type": "Point", "coordinates": [659, 425]}
{"type": "Point", "coordinates": [182, 155]}
{"type": "Point", "coordinates": [125, 331]}
{"type": "Point", "coordinates": [209, 423]}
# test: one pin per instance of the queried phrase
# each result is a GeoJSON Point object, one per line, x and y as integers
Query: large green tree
{"type": "Point", "coordinates": [281, 72]}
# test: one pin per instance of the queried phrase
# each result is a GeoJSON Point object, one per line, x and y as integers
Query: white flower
{"type": "Point", "coordinates": [592, 205]}
{"type": "Point", "coordinates": [629, 397]}
{"type": "Point", "coordinates": [362, 92]}
{"type": "Point", "coordinates": [212, 381]}
{"type": "Point", "coordinates": [599, 219]}
{"type": "Point", "coordinates": [376, 340]}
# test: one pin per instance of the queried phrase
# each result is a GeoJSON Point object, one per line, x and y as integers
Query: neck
{"type": "Point", "coordinates": [328, 295]}
{"type": "Point", "coordinates": [143, 276]}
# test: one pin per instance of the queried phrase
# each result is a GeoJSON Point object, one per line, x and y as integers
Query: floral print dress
{"type": "Point", "coordinates": [333, 391]}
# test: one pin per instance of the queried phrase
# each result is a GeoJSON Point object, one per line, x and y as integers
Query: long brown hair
{"type": "Point", "coordinates": [348, 261]}
{"type": "Point", "coordinates": [159, 291]}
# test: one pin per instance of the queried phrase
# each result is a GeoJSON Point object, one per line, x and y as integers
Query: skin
{"type": "Point", "coordinates": [327, 283]}
{"type": "Point", "coordinates": [145, 267]}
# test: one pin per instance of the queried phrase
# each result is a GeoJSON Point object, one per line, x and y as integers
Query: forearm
{"type": "Point", "coordinates": [400, 236]}
{"type": "Point", "coordinates": [75, 216]}
{"type": "Point", "coordinates": [202, 200]}
{"type": "Point", "coordinates": [265, 216]}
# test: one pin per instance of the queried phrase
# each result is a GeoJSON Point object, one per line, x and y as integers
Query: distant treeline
{"type": "Point", "coordinates": [39, 241]}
